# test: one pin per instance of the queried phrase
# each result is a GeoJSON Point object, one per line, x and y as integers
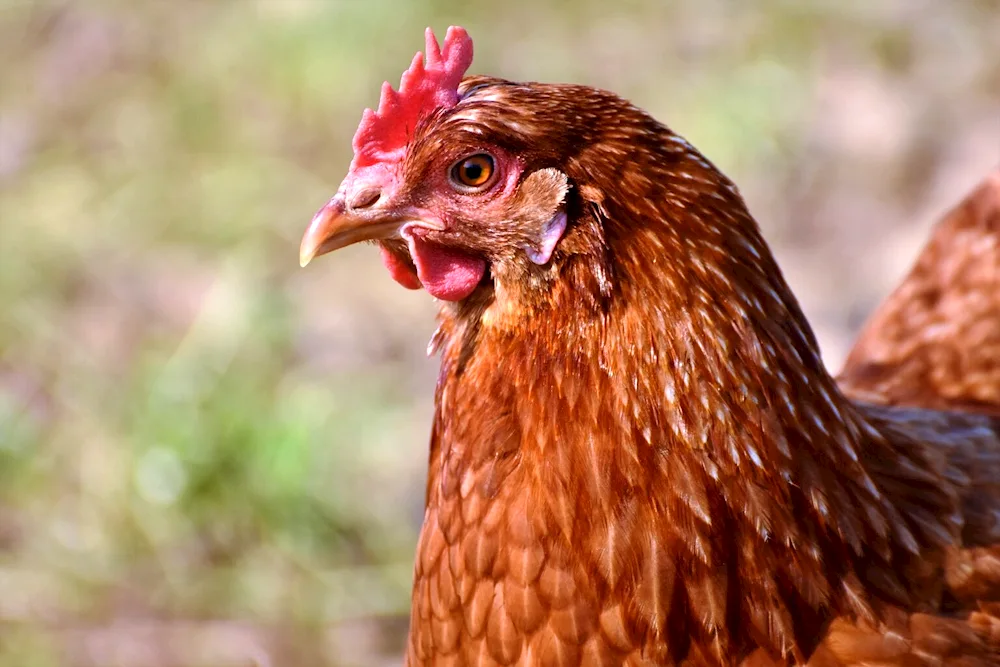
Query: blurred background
{"type": "Point", "coordinates": [211, 457]}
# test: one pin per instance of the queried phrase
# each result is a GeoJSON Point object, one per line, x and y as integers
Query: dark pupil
{"type": "Point", "coordinates": [473, 170]}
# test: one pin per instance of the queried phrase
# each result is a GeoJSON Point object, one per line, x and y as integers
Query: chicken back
{"type": "Point", "coordinates": [935, 342]}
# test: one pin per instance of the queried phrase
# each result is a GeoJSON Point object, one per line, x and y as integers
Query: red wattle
{"type": "Point", "coordinates": [448, 274]}
{"type": "Point", "coordinates": [399, 269]}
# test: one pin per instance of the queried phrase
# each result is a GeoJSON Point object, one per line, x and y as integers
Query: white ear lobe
{"type": "Point", "coordinates": [547, 240]}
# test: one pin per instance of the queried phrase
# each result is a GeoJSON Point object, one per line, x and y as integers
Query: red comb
{"type": "Point", "coordinates": [383, 134]}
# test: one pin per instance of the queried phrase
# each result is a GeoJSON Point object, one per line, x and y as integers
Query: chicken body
{"type": "Point", "coordinates": [637, 456]}
{"type": "Point", "coordinates": [935, 342]}
{"type": "Point", "coordinates": [661, 470]}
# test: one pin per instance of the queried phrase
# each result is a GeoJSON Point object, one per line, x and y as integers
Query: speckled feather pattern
{"type": "Point", "coordinates": [935, 342]}
{"type": "Point", "coordinates": [637, 457]}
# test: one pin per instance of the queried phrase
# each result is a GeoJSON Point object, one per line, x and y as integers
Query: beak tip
{"type": "Point", "coordinates": [318, 232]}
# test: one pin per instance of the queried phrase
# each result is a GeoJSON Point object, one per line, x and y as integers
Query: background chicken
{"type": "Point", "coordinates": [637, 455]}
{"type": "Point", "coordinates": [935, 342]}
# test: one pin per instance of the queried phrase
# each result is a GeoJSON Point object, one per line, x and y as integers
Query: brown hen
{"type": "Point", "coordinates": [637, 457]}
{"type": "Point", "coordinates": [935, 342]}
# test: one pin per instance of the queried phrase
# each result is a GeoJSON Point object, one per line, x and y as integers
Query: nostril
{"type": "Point", "coordinates": [365, 197]}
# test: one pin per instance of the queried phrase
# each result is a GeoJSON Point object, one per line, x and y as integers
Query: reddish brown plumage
{"type": "Point", "coordinates": [935, 342]}
{"type": "Point", "coordinates": [637, 457]}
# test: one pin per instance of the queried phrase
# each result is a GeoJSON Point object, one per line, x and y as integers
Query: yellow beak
{"type": "Point", "coordinates": [333, 227]}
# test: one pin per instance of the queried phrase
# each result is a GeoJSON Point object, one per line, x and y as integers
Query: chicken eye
{"type": "Point", "coordinates": [474, 171]}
